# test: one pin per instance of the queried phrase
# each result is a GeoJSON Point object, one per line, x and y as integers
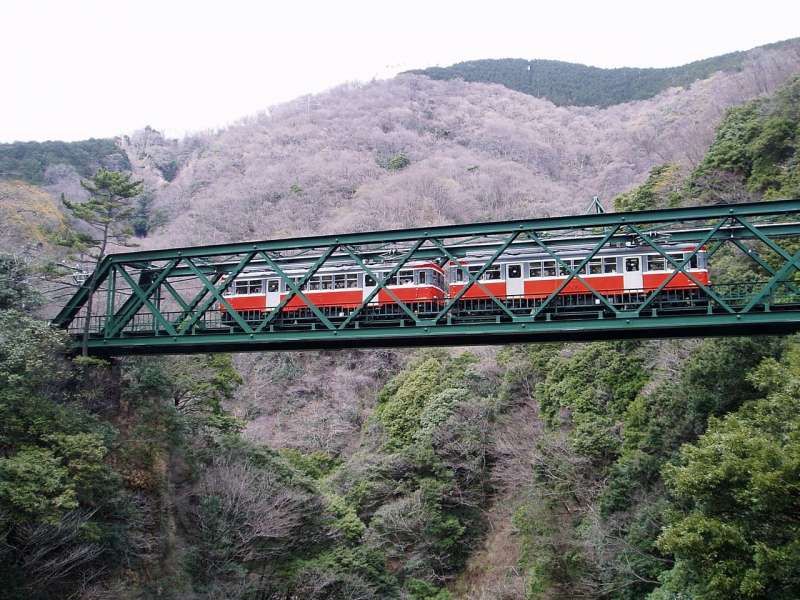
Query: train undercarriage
{"type": "Point", "coordinates": [477, 310]}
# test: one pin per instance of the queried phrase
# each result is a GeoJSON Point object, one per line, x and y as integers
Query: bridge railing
{"type": "Point", "coordinates": [573, 307]}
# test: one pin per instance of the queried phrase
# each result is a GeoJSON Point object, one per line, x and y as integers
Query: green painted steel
{"type": "Point", "coordinates": [175, 300]}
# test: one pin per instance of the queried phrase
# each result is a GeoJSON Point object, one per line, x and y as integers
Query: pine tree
{"type": "Point", "coordinates": [107, 212]}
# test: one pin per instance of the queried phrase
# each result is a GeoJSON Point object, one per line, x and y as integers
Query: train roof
{"type": "Point", "coordinates": [574, 252]}
{"type": "Point", "coordinates": [341, 268]}
{"type": "Point", "coordinates": [510, 255]}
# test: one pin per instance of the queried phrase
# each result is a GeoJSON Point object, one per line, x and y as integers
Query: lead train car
{"type": "Point", "coordinates": [521, 279]}
{"type": "Point", "coordinates": [612, 272]}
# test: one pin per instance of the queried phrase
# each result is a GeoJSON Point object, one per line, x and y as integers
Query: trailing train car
{"type": "Point", "coordinates": [520, 278]}
{"type": "Point", "coordinates": [336, 288]}
{"type": "Point", "coordinates": [612, 271]}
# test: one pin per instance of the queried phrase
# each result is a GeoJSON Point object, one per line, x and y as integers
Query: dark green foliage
{"type": "Point", "coordinates": [169, 170]}
{"type": "Point", "coordinates": [419, 493]}
{"type": "Point", "coordinates": [315, 465]}
{"type": "Point", "coordinates": [398, 162]}
{"type": "Point", "coordinates": [417, 589]}
{"type": "Point", "coordinates": [758, 142]}
{"type": "Point", "coordinates": [595, 384]}
{"type": "Point", "coordinates": [606, 444]}
{"type": "Point", "coordinates": [550, 547]}
{"type": "Point", "coordinates": [391, 160]}
{"type": "Point", "coordinates": [655, 425]}
{"type": "Point", "coordinates": [661, 190]}
{"type": "Point", "coordinates": [16, 291]}
{"type": "Point", "coordinates": [144, 219]}
{"type": "Point", "coordinates": [29, 160]}
{"type": "Point", "coordinates": [59, 499]}
{"type": "Point", "coordinates": [573, 84]}
{"type": "Point", "coordinates": [733, 528]}
{"type": "Point", "coordinates": [409, 403]}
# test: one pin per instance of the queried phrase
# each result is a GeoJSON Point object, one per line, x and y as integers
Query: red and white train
{"type": "Point", "coordinates": [521, 277]}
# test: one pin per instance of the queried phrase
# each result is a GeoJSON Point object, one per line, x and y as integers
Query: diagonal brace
{"type": "Point", "coordinates": [681, 268]}
{"type": "Point", "coordinates": [411, 314]}
{"type": "Point", "coordinates": [381, 285]}
{"type": "Point", "coordinates": [573, 274]}
{"type": "Point", "coordinates": [295, 289]}
{"type": "Point", "coordinates": [474, 278]}
{"type": "Point", "coordinates": [144, 299]}
{"type": "Point", "coordinates": [776, 278]}
{"type": "Point", "coordinates": [211, 287]}
{"type": "Point", "coordinates": [709, 292]}
{"type": "Point", "coordinates": [216, 295]}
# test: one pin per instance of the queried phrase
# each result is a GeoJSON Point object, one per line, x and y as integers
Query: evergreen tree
{"type": "Point", "coordinates": [107, 212]}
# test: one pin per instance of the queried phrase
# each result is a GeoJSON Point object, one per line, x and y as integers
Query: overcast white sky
{"type": "Point", "coordinates": [73, 69]}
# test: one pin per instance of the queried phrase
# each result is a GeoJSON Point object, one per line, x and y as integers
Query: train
{"type": "Point", "coordinates": [520, 279]}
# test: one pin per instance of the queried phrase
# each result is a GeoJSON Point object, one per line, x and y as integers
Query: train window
{"type": "Point", "coordinates": [352, 280]}
{"type": "Point", "coordinates": [314, 283]}
{"type": "Point", "coordinates": [456, 274]}
{"type": "Point", "coordinates": [339, 281]}
{"type": "Point", "coordinates": [572, 263]}
{"type": "Point", "coordinates": [678, 258]}
{"type": "Point", "coordinates": [595, 266]}
{"type": "Point", "coordinates": [549, 268]}
{"type": "Point", "coordinates": [369, 281]}
{"type": "Point", "coordinates": [609, 264]}
{"type": "Point", "coordinates": [405, 277]}
{"type": "Point", "coordinates": [422, 276]}
{"type": "Point", "coordinates": [535, 269]}
{"type": "Point", "coordinates": [656, 262]}
{"type": "Point", "coordinates": [632, 264]}
{"type": "Point", "coordinates": [272, 285]}
{"type": "Point", "coordinates": [694, 262]}
{"type": "Point", "coordinates": [492, 273]}
{"type": "Point", "coordinates": [248, 286]}
{"type": "Point", "coordinates": [488, 274]}
{"type": "Point", "coordinates": [514, 271]}
{"type": "Point", "coordinates": [326, 282]}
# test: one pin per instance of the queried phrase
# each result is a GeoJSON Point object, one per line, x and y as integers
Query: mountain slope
{"type": "Point", "coordinates": [571, 84]}
{"type": "Point", "coordinates": [413, 151]}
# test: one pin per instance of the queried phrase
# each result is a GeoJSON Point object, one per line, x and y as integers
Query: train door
{"type": "Point", "coordinates": [632, 272]}
{"type": "Point", "coordinates": [369, 285]}
{"type": "Point", "coordinates": [273, 292]}
{"type": "Point", "coordinates": [515, 285]}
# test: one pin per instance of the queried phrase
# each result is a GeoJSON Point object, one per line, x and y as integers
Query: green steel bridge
{"type": "Point", "coordinates": [168, 301]}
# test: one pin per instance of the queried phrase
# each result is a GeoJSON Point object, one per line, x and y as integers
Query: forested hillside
{"type": "Point", "coordinates": [39, 162]}
{"type": "Point", "coordinates": [570, 84]}
{"type": "Point", "coordinates": [616, 470]}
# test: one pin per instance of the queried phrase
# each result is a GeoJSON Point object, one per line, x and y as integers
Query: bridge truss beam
{"type": "Point", "coordinates": [168, 301]}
